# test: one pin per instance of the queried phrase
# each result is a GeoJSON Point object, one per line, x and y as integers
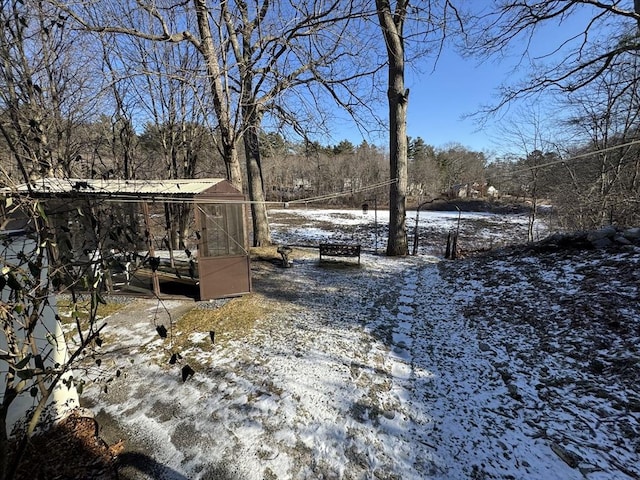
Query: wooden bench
{"type": "Point", "coordinates": [339, 250]}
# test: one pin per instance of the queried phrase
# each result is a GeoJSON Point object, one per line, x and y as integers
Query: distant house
{"type": "Point", "coordinates": [351, 183]}
{"type": "Point", "coordinates": [302, 184]}
{"type": "Point", "coordinates": [460, 190]}
{"type": "Point", "coordinates": [474, 190]}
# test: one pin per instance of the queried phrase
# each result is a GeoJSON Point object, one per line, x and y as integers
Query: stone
{"type": "Point", "coordinates": [513, 392]}
{"type": "Point", "coordinates": [632, 233]}
{"type": "Point", "coordinates": [622, 240]}
{"type": "Point", "coordinates": [605, 232]}
{"type": "Point", "coordinates": [389, 414]}
{"type": "Point", "coordinates": [602, 242]}
{"type": "Point", "coordinates": [570, 458]}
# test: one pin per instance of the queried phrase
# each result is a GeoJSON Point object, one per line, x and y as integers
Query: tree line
{"type": "Point", "coordinates": [292, 170]}
{"type": "Point", "coordinates": [217, 74]}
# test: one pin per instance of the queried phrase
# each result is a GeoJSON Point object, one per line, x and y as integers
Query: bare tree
{"type": "Point", "coordinates": [530, 135]}
{"type": "Point", "coordinates": [392, 25]}
{"type": "Point", "coordinates": [605, 117]}
{"type": "Point", "coordinates": [172, 95]}
{"type": "Point", "coordinates": [278, 49]}
{"type": "Point", "coordinates": [252, 53]}
{"type": "Point", "coordinates": [148, 21]}
{"type": "Point", "coordinates": [47, 92]}
{"type": "Point", "coordinates": [601, 41]}
{"type": "Point", "coordinates": [122, 135]}
{"type": "Point", "coordinates": [220, 90]}
{"type": "Point", "coordinates": [608, 33]}
{"type": "Point", "coordinates": [457, 165]}
{"type": "Point", "coordinates": [430, 18]}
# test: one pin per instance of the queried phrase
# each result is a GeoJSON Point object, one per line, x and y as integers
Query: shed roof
{"type": "Point", "coordinates": [119, 188]}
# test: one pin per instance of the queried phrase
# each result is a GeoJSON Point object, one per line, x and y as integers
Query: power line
{"type": "Point", "coordinates": [575, 157]}
{"type": "Point", "coordinates": [343, 193]}
{"type": "Point", "coordinates": [168, 198]}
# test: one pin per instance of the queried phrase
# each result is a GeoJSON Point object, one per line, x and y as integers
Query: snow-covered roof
{"type": "Point", "coordinates": [117, 187]}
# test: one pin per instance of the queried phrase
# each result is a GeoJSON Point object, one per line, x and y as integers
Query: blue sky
{"type": "Point", "coordinates": [439, 100]}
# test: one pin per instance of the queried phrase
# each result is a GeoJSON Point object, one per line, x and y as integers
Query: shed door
{"type": "Point", "coordinates": [222, 229]}
{"type": "Point", "coordinates": [223, 261]}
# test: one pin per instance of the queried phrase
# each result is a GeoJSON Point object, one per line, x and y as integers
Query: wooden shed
{"type": "Point", "coordinates": [134, 230]}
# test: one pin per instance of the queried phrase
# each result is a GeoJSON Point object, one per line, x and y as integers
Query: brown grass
{"type": "Point", "coordinates": [265, 254]}
{"type": "Point", "coordinates": [233, 321]}
{"type": "Point", "coordinates": [67, 309]}
{"type": "Point", "coordinates": [270, 253]}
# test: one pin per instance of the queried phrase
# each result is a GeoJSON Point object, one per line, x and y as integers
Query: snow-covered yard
{"type": "Point", "coordinates": [513, 365]}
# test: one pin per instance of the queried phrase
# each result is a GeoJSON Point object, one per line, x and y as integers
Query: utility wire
{"type": "Point", "coordinates": [575, 157]}
{"type": "Point", "coordinates": [168, 198]}
{"type": "Point", "coordinates": [343, 193]}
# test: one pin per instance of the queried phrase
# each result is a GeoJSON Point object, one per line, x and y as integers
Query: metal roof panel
{"type": "Point", "coordinates": [118, 187]}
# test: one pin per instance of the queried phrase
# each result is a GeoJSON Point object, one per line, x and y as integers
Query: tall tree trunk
{"type": "Point", "coordinates": [227, 134]}
{"type": "Point", "coordinates": [252, 122]}
{"type": "Point", "coordinates": [232, 164]}
{"type": "Point", "coordinates": [392, 26]}
{"type": "Point", "coordinates": [244, 51]}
